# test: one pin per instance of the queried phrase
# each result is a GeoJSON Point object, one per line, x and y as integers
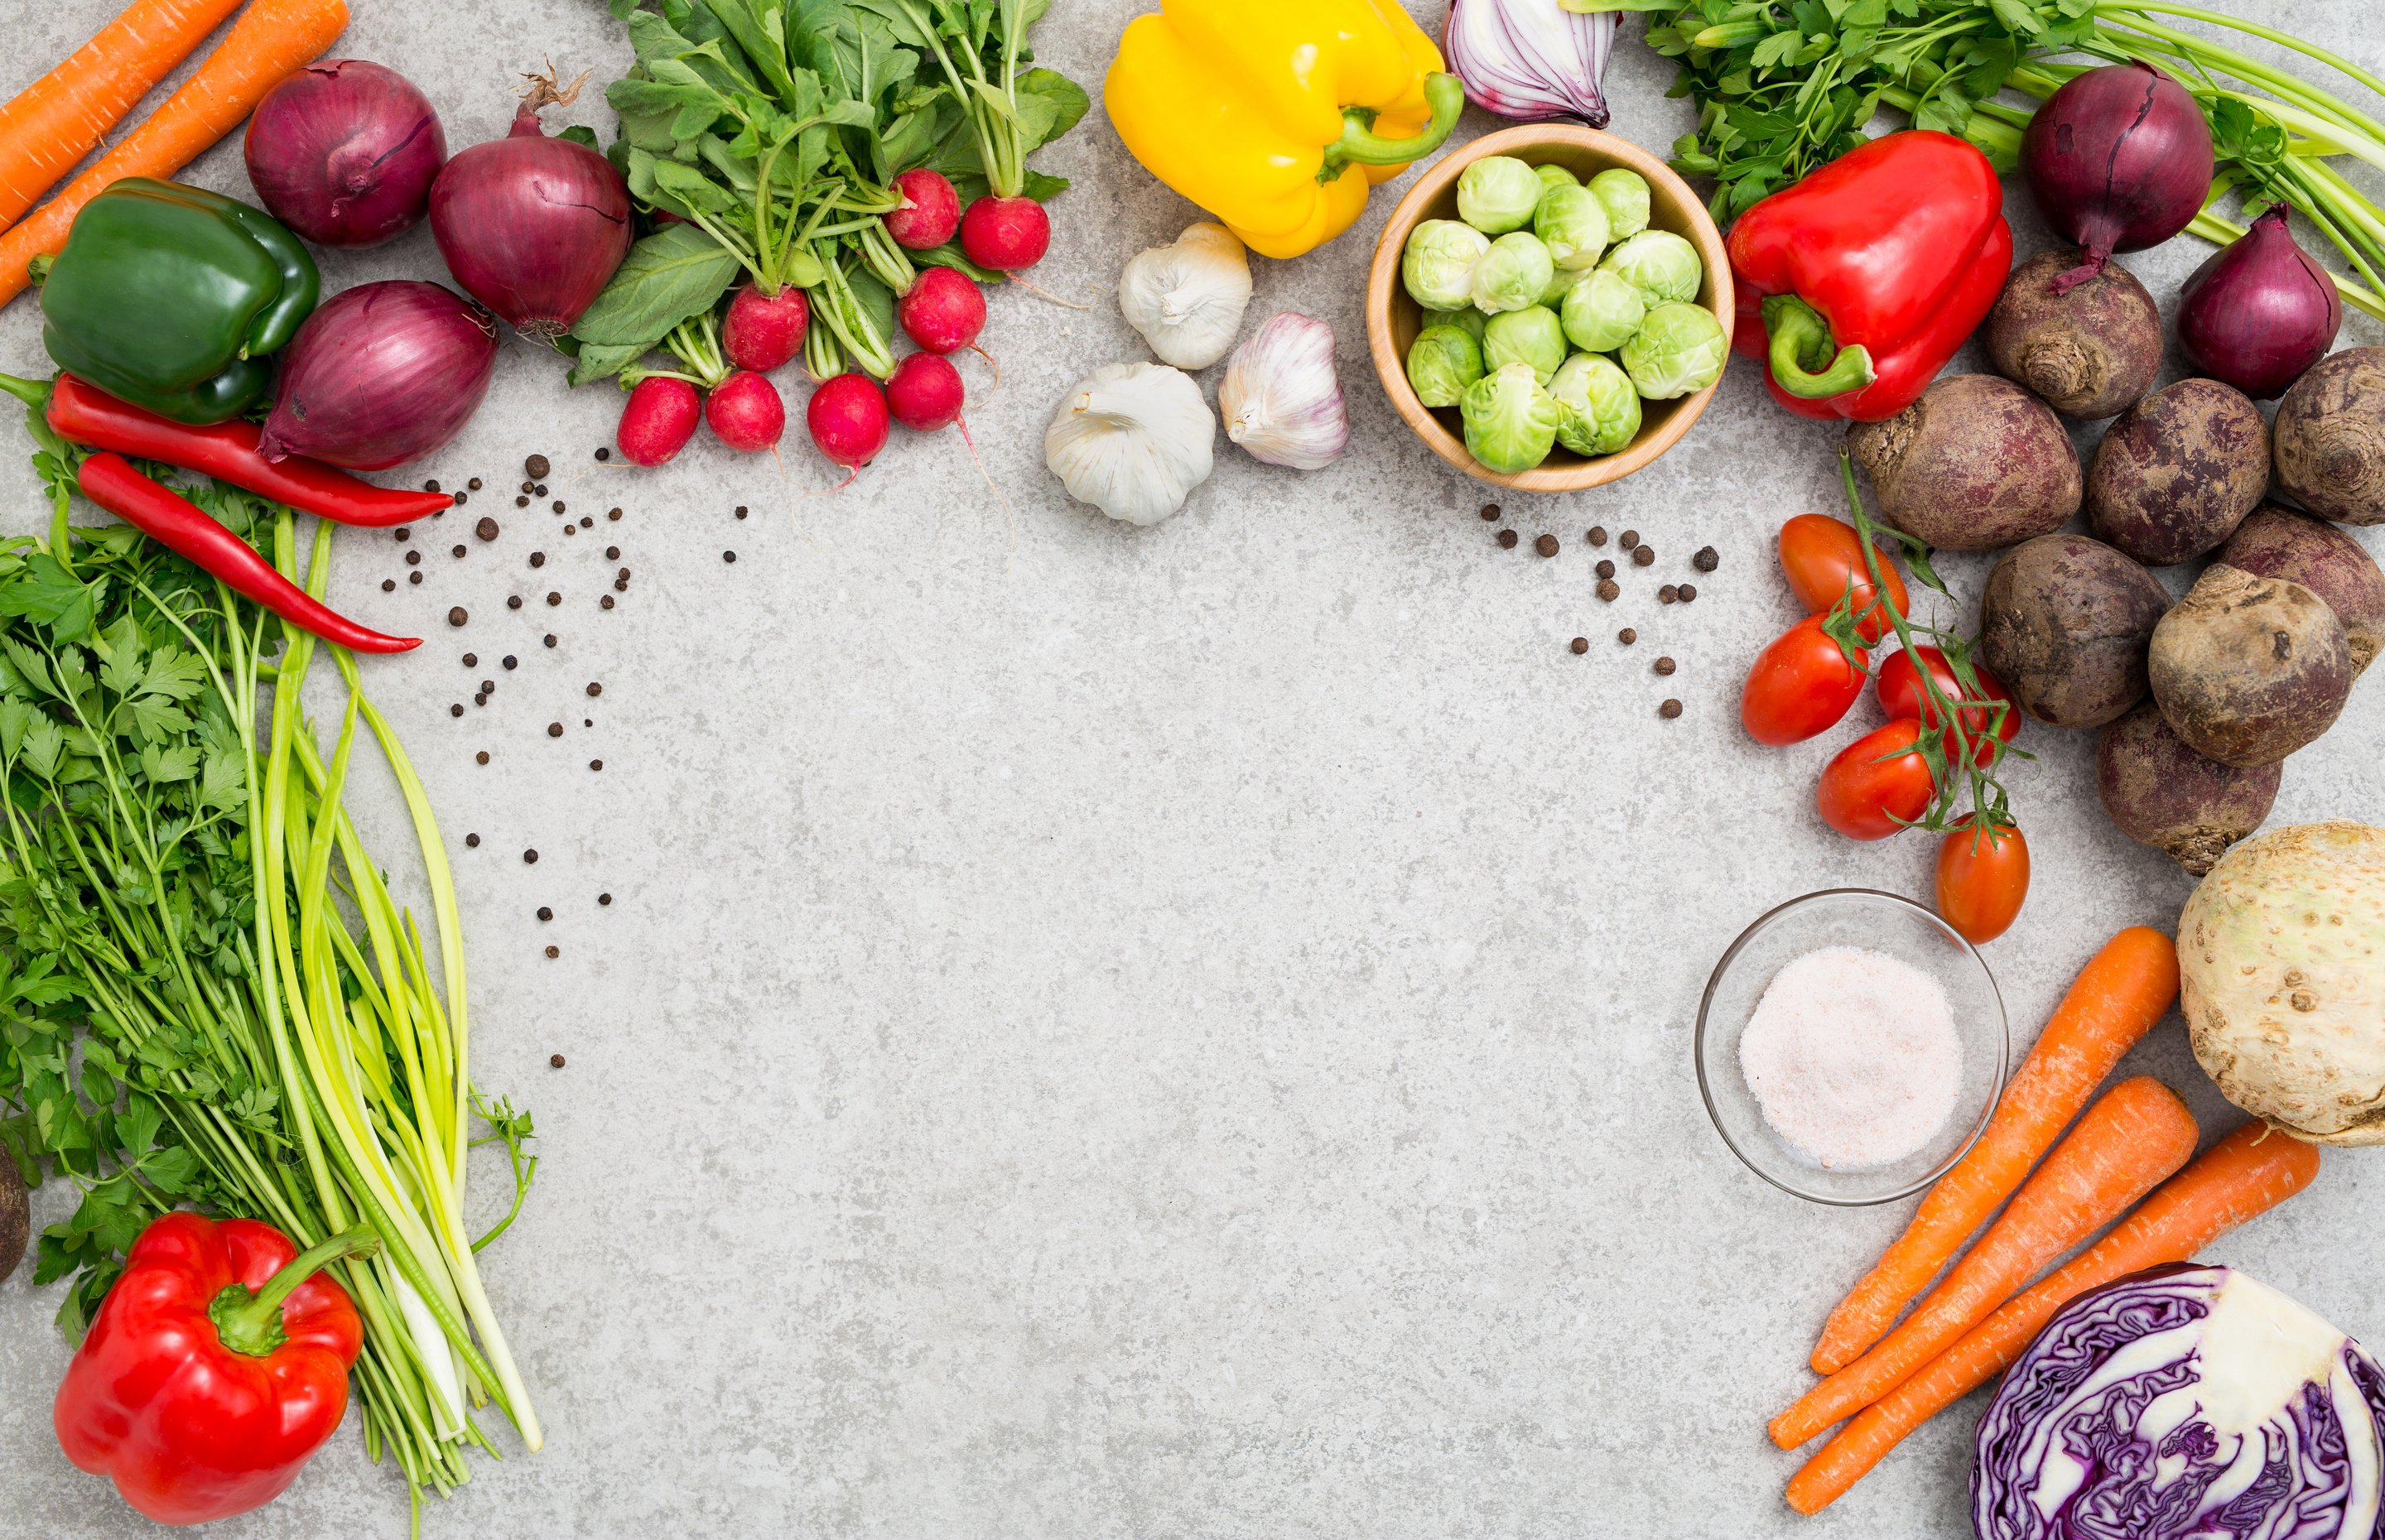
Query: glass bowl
{"type": "Point", "coordinates": [1880, 921]}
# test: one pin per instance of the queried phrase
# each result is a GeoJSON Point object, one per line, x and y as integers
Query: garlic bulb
{"type": "Point", "coordinates": [1187, 299]}
{"type": "Point", "coordinates": [1281, 400]}
{"type": "Point", "coordinates": [1132, 439]}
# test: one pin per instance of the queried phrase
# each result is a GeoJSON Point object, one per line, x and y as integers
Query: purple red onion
{"type": "Point", "coordinates": [2119, 158]}
{"type": "Point", "coordinates": [382, 374]}
{"type": "Point", "coordinates": [531, 226]}
{"type": "Point", "coordinates": [1532, 58]}
{"type": "Point", "coordinates": [2260, 312]}
{"type": "Point", "coordinates": [344, 152]}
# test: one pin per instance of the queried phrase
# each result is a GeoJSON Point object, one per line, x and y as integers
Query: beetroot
{"type": "Point", "coordinates": [943, 312]}
{"type": "Point", "coordinates": [744, 413]}
{"type": "Point", "coordinates": [931, 210]}
{"type": "Point", "coordinates": [659, 420]}
{"type": "Point", "coordinates": [847, 419]}
{"type": "Point", "coordinates": [762, 331]}
{"type": "Point", "coordinates": [1005, 234]}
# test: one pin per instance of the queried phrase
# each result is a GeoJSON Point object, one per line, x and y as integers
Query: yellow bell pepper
{"type": "Point", "coordinates": [1276, 116]}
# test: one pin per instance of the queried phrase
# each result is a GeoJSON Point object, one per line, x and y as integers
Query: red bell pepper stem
{"type": "Point", "coordinates": [182, 526]}
{"type": "Point", "coordinates": [1803, 362]}
{"type": "Point", "coordinates": [227, 451]}
{"type": "Point", "coordinates": [250, 1320]}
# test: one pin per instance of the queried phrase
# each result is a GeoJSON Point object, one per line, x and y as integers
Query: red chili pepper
{"type": "Point", "coordinates": [227, 451]}
{"type": "Point", "coordinates": [183, 528]}
{"type": "Point", "coordinates": [1870, 273]}
{"type": "Point", "coordinates": [218, 1365]}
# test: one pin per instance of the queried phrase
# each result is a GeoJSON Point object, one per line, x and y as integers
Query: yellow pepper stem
{"type": "Point", "coordinates": [1360, 145]}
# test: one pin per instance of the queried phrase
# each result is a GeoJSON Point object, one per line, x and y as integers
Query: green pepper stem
{"type": "Point", "coordinates": [251, 1323]}
{"type": "Point", "coordinates": [1361, 145]}
{"type": "Point", "coordinates": [1799, 333]}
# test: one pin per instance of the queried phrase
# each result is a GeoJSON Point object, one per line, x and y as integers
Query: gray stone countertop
{"type": "Point", "coordinates": [1171, 1032]}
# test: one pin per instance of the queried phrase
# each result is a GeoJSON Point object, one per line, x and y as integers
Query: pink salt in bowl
{"type": "Point", "coordinates": [1861, 918]}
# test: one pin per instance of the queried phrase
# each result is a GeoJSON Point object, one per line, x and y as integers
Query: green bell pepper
{"type": "Point", "coordinates": [169, 297]}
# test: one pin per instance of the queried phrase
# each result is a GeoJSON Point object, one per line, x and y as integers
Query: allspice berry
{"type": "Point", "coordinates": [486, 528]}
{"type": "Point", "coordinates": [458, 615]}
{"type": "Point", "coordinates": [1546, 545]}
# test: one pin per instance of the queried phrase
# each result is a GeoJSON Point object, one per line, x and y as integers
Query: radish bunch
{"type": "Point", "coordinates": [725, 362]}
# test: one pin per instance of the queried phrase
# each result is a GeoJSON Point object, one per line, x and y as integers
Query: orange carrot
{"type": "Point", "coordinates": [271, 38]}
{"type": "Point", "coordinates": [2128, 1141]}
{"type": "Point", "coordinates": [2115, 1000]}
{"type": "Point", "coordinates": [54, 122]}
{"type": "Point", "coordinates": [2249, 1173]}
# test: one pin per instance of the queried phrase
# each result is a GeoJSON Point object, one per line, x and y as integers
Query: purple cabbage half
{"type": "Point", "coordinates": [1530, 59]}
{"type": "Point", "coordinates": [2183, 1403]}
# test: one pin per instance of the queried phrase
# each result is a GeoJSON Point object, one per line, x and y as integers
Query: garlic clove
{"type": "Point", "coordinates": [1132, 439]}
{"type": "Point", "coordinates": [1187, 299]}
{"type": "Point", "coordinates": [1280, 397]}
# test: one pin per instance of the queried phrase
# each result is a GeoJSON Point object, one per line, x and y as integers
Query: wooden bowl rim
{"type": "Point", "coordinates": [1382, 279]}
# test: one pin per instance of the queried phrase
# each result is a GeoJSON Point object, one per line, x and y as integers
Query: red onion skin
{"type": "Point", "coordinates": [2260, 311]}
{"type": "Point", "coordinates": [344, 152]}
{"type": "Point", "coordinates": [2118, 159]}
{"type": "Point", "coordinates": [382, 374]}
{"type": "Point", "coordinates": [531, 226]}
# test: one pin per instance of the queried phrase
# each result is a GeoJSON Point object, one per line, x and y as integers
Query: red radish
{"type": "Point", "coordinates": [924, 392]}
{"type": "Point", "coordinates": [745, 413]}
{"type": "Point", "coordinates": [659, 420]}
{"type": "Point", "coordinates": [931, 210]}
{"type": "Point", "coordinates": [1005, 234]}
{"type": "Point", "coordinates": [847, 419]}
{"type": "Point", "coordinates": [762, 331]}
{"type": "Point", "coordinates": [943, 312]}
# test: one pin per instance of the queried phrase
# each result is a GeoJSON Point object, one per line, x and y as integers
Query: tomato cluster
{"type": "Point", "coordinates": [1804, 682]}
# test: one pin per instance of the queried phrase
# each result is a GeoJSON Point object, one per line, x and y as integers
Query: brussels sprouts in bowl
{"type": "Point", "coordinates": [1569, 225]}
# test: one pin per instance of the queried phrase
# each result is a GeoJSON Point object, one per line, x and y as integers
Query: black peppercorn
{"type": "Point", "coordinates": [554, 598]}
{"type": "Point", "coordinates": [1579, 645]}
{"type": "Point", "coordinates": [741, 510]}
{"type": "Point", "coordinates": [612, 552]}
{"type": "Point", "coordinates": [414, 558]}
{"type": "Point", "coordinates": [548, 639]}
{"type": "Point", "coordinates": [613, 514]}
{"type": "Point", "coordinates": [1546, 545]}
{"type": "Point", "coordinates": [1597, 535]}
{"type": "Point", "coordinates": [536, 467]}
{"type": "Point", "coordinates": [473, 842]}
{"type": "Point", "coordinates": [461, 499]}
{"type": "Point", "coordinates": [511, 661]}
{"type": "Point", "coordinates": [431, 485]}
{"type": "Point", "coordinates": [538, 558]}
{"type": "Point", "coordinates": [1506, 539]}
{"type": "Point", "coordinates": [559, 504]}
{"type": "Point", "coordinates": [530, 858]}
{"type": "Point", "coordinates": [1490, 513]}
{"type": "Point", "coordinates": [486, 528]}
{"type": "Point", "coordinates": [545, 912]}
{"type": "Point", "coordinates": [1707, 560]}
{"type": "Point", "coordinates": [1666, 594]}
{"type": "Point", "coordinates": [488, 686]}
{"type": "Point", "coordinates": [472, 660]}
{"type": "Point", "coordinates": [521, 503]}
{"type": "Point", "coordinates": [457, 551]}
{"type": "Point", "coordinates": [414, 578]}
{"type": "Point", "coordinates": [455, 710]}
{"type": "Point", "coordinates": [539, 490]}
{"type": "Point", "coordinates": [388, 585]}
{"type": "Point", "coordinates": [554, 952]}
{"type": "Point", "coordinates": [1666, 666]}
{"type": "Point", "coordinates": [456, 616]}
{"type": "Point", "coordinates": [555, 729]}
{"type": "Point", "coordinates": [474, 483]}
{"type": "Point", "coordinates": [1670, 709]}
{"type": "Point", "coordinates": [572, 529]}
{"type": "Point", "coordinates": [481, 699]}
{"type": "Point", "coordinates": [595, 688]}
{"type": "Point", "coordinates": [603, 454]}
{"type": "Point", "coordinates": [554, 1060]}
{"type": "Point", "coordinates": [1626, 636]}
{"type": "Point", "coordinates": [595, 764]}
{"type": "Point", "coordinates": [1686, 592]}
{"type": "Point", "coordinates": [729, 556]}
{"type": "Point", "coordinates": [401, 535]}
{"type": "Point", "coordinates": [1629, 538]}
{"type": "Point", "coordinates": [605, 898]}
{"type": "Point", "coordinates": [607, 602]}
{"type": "Point", "coordinates": [480, 758]}
{"type": "Point", "coordinates": [1605, 569]}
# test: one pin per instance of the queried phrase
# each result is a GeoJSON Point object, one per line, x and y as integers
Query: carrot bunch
{"type": "Point", "coordinates": [2132, 1141]}
{"type": "Point", "coordinates": [55, 122]}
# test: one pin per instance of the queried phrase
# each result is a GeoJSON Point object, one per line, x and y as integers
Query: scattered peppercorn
{"type": "Point", "coordinates": [555, 729]}
{"type": "Point", "coordinates": [549, 639]}
{"type": "Point", "coordinates": [729, 556]}
{"type": "Point", "coordinates": [536, 467]}
{"type": "Point", "coordinates": [457, 551]}
{"type": "Point", "coordinates": [1506, 539]}
{"type": "Point", "coordinates": [605, 898]}
{"type": "Point", "coordinates": [455, 710]}
{"type": "Point", "coordinates": [1605, 569]}
{"type": "Point", "coordinates": [511, 661]}
{"type": "Point", "coordinates": [472, 660]}
{"type": "Point", "coordinates": [473, 842]}
{"type": "Point", "coordinates": [554, 1060]}
{"type": "Point", "coordinates": [414, 558]}
{"type": "Point", "coordinates": [620, 585]}
{"type": "Point", "coordinates": [559, 504]}
{"type": "Point", "coordinates": [1490, 513]}
{"type": "Point", "coordinates": [1707, 560]}
{"type": "Point", "coordinates": [1608, 590]}
{"type": "Point", "coordinates": [458, 615]}
{"type": "Point", "coordinates": [538, 558]}
{"type": "Point", "coordinates": [545, 912]}
{"type": "Point", "coordinates": [539, 490]}
{"type": "Point", "coordinates": [1641, 555]}
{"type": "Point", "coordinates": [1597, 535]}
{"type": "Point", "coordinates": [1546, 545]}
{"type": "Point", "coordinates": [554, 598]}
{"type": "Point", "coordinates": [474, 483]}
{"type": "Point", "coordinates": [461, 499]}
{"type": "Point", "coordinates": [414, 578]}
{"type": "Point", "coordinates": [595, 688]}
{"type": "Point", "coordinates": [482, 698]}
{"type": "Point", "coordinates": [401, 534]}
{"type": "Point", "coordinates": [431, 485]}
{"type": "Point", "coordinates": [612, 552]}
{"type": "Point", "coordinates": [607, 602]}
{"type": "Point", "coordinates": [388, 585]}
{"type": "Point", "coordinates": [513, 600]}
{"type": "Point", "coordinates": [1666, 666]}
{"type": "Point", "coordinates": [1626, 636]}
{"type": "Point", "coordinates": [613, 514]}
{"type": "Point", "coordinates": [1579, 645]}
{"type": "Point", "coordinates": [530, 858]}
{"type": "Point", "coordinates": [1670, 709]}
{"type": "Point", "coordinates": [587, 721]}
{"type": "Point", "coordinates": [1629, 538]}
{"type": "Point", "coordinates": [521, 503]}
{"type": "Point", "coordinates": [1666, 594]}
{"type": "Point", "coordinates": [572, 529]}
{"type": "Point", "coordinates": [554, 952]}
{"type": "Point", "coordinates": [480, 758]}
{"type": "Point", "coordinates": [595, 764]}
{"type": "Point", "coordinates": [486, 528]}
{"type": "Point", "coordinates": [587, 523]}
{"type": "Point", "coordinates": [741, 510]}
{"type": "Point", "coordinates": [603, 454]}
{"type": "Point", "coordinates": [1688, 592]}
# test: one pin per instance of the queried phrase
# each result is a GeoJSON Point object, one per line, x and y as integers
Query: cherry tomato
{"type": "Point", "coordinates": [1901, 695]}
{"type": "Point", "coordinates": [1871, 790]}
{"type": "Point", "coordinates": [1981, 881]}
{"type": "Point", "coordinates": [1800, 685]}
{"type": "Point", "coordinates": [1821, 556]}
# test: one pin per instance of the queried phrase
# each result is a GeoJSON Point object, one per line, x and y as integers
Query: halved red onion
{"type": "Point", "coordinates": [1531, 59]}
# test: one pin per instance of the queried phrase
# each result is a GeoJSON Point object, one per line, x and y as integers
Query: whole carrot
{"type": "Point", "coordinates": [271, 38]}
{"type": "Point", "coordinates": [53, 123]}
{"type": "Point", "coordinates": [2128, 1141]}
{"type": "Point", "coordinates": [2114, 1000]}
{"type": "Point", "coordinates": [2249, 1173]}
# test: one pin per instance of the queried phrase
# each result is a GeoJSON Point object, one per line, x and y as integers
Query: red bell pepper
{"type": "Point", "coordinates": [218, 1365]}
{"type": "Point", "coordinates": [1858, 283]}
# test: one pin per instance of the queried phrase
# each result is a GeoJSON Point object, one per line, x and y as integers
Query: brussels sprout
{"type": "Point", "coordinates": [1561, 282]}
{"type": "Point", "coordinates": [1602, 311]}
{"type": "Point", "coordinates": [1498, 194]}
{"type": "Point", "coordinates": [1466, 318]}
{"type": "Point", "coordinates": [1512, 274]}
{"type": "Point", "coordinates": [1624, 195]}
{"type": "Point", "coordinates": [1662, 266]}
{"type": "Point", "coordinates": [1510, 420]}
{"type": "Point", "coordinates": [1528, 336]}
{"type": "Point", "coordinates": [1443, 361]}
{"type": "Point", "coordinates": [1553, 174]}
{"type": "Point", "coordinates": [1679, 349]}
{"type": "Point", "coordinates": [1598, 410]}
{"type": "Point", "coordinates": [1439, 263]}
{"type": "Point", "coordinates": [1571, 224]}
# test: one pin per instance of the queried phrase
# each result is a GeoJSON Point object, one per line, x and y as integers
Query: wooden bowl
{"type": "Point", "coordinates": [1393, 318]}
